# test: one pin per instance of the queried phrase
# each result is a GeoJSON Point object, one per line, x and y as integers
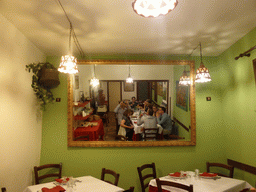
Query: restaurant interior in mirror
{"type": "Point", "coordinates": [153, 107]}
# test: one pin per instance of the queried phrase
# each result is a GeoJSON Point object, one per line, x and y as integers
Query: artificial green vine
{"type": "Point", "coordinates": [43, 95]}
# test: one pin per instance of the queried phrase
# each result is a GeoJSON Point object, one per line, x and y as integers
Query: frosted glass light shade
{"type": "Point", "coordinates": [184, 79]}
{"type": "Point", "coordinates": [153, 8]}
{"type": "Point", "coordinates": [68, 64]}
{"type": "Point", "coordinates": [202, 74]}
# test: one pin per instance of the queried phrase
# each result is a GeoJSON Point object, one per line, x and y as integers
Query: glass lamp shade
{"type": "Point", "coordinates": [202, 74]}
{"type": "Point", "coordinates": [184, 79]}
{"type": "Point", "coordinates": [68, 64]}
{"type": "Point", "coordinates": [94, 82]}
{"type": "Point", "coordinates": [153, 8]}
{"type": "Point", "coordinates": [129, 80]}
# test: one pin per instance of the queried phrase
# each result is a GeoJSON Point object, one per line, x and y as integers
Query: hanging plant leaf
{"type": "Point", "coordinates": [42, 88]}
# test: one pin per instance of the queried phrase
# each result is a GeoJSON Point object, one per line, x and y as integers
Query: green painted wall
{"type": "Point", "coordinates": [239, 103]}
{"type": "Point", "coordinates": [221, 126]}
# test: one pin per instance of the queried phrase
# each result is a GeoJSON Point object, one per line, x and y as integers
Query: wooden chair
{"type": "Point", "coordinates": [146, 176]}
{"type": "Point", "coordinates": [82, 138]}
{"type": "Point", "coordinates": [160, 183]}
{"type": "Point", "coordinates": [228, 167]}
{"type": "Point", "coordinates": [108, 171]}
{"type": "Point", "coordinates": [3, 189]}
{"type": "Point", "coordinates": [150, 133]}
{"type": "Point", "coordinates": [53, 167]}
{"type": "Point", "coordinates": [129, 190]}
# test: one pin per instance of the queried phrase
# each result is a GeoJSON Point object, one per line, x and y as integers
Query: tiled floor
{"type": "Point", "coordinates": [110, 130]}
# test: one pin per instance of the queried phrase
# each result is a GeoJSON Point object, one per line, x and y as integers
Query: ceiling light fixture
{"type": "Point", "coordinates": [185, 79]}
{"type": "Point", "coordinates": [68, 62]}
{"type": "Point", "coordinates": [94, 81]}
{"type": "Point", "coordinates": [202, 73]}
{"type": "Point", "coordinates": [153, 8]}
{"type": "Point", "coordinates": [129, 79]}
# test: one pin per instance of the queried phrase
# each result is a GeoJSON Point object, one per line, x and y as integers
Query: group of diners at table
{"type": "Point", "coordinates": [133, 117]}
{"type": "Point", "coordinates": [181, 181]}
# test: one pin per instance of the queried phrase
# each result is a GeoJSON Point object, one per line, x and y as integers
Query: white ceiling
{"type": "Point", "coordinates": [111, 26]}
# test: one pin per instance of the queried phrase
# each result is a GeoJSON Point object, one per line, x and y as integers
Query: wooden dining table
{"type": "Point", "coordinates": [203, 184]}
{"type": "Point", "coordinates": [85, 184]}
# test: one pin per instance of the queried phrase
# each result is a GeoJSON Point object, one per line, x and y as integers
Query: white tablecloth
{"type": "Point", "coordinates": [88, 184]}
{"type": "Point", "coordinates": [223, 184]}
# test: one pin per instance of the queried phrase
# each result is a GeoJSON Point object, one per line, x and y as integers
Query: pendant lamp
{"type": "Point", "coordinates": [129, 79]}
{"type": "Point", "coordinates": [202, 73]}
{"type": "Point", "coordinates": [184, 79]}
{"type": "Point", "coordinates": [68, 62]}
{"type": "Point", "coordinates": [94, 81]}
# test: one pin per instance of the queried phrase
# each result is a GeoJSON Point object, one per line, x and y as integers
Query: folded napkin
{"type": "Point", "coordinates": [177, 174]}
{"type": "Point", "coordinates": [54, 189]}
{"type": "Point", "coordinates": [204, 174]}
{"type": "Point", "coordinates": [61, 180]}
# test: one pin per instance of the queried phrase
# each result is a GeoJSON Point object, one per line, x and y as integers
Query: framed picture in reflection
{"type": "Point", "coordinates": [182, 100]}
{"type": "Point", "coordinates": [128, 87]}
{"type": "Point", "coordinates": [76, 82]}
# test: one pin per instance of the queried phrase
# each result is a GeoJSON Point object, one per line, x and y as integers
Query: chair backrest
{"type": "Point", "coordinates": [129, 190]}
{"type": "Point", "coordinates": [150, 133]}
{"type": "Point", "coordinates": [110, 172]}
{"type": "Point", "coordinates": [3, 189]}
{"type": "Point", "coordinates": [50, 174]}
{"type": "Point", "coordinates": [160, 183]}
{"type": "Point", "coordinates": [228, 167]}
{"type": "Point", "coordinates": [82, 138]}
{"type": "Point", "coordinates": [245, 190]}
{"type": "Point", "coordinates": [146, 176]}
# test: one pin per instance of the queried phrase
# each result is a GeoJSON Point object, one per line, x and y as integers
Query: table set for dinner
{"type": "Point", "coordinates": [202, 182]}
{"type": "Point", "coordinates": [79, 184]}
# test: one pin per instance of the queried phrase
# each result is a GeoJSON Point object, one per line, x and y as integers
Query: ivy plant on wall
{"type": "Point", "coordinates": [45, 77]}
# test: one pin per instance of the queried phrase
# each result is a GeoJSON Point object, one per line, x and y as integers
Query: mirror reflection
{"type": "Point", "coordinates": [152, 108]}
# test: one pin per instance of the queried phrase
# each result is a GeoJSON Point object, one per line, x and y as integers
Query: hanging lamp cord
{"type": "Point", "coordinates": [72, 33]}
{"type": "Point", "coordinates": [201, 52]}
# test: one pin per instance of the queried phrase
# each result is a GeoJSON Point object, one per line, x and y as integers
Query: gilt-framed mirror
{"type": "Point", "coordinates": [150, 71]}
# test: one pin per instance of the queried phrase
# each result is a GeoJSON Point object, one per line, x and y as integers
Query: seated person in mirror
{"type": "Point", "coordinates": [119, 110]}
{"type": "Point", "coordinates": [127, 124]}
{"type": "Point", "coordinates": [164, 120]}
{"type": "Point", "coordinates": [133, 104]}
{"type": "Point", "coordinates": [149, 120]}
{"type": "Point", "coordinates": [155, 109]}
{"type": "Point", "coordinates": [147, 104]}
